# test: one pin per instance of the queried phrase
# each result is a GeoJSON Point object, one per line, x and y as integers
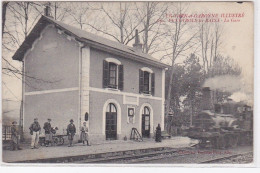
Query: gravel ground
{"type": "Point", "coordinates": [243, 159]}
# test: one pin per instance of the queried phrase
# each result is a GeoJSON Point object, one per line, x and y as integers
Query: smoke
{"type": "Point", "coordinates": [225, 83]}
{"type": "Point", "coordinates": [241, 90]}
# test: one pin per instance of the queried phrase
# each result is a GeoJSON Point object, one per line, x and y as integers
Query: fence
{"type": "Point", "coordinates": [6, 133]}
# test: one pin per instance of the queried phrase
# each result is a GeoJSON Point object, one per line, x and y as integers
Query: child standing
{"type": "Point", "coordinates": [84, 134]}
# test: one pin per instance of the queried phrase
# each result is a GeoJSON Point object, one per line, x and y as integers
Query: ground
{"type": "Point", "coordinates": [109, 146]}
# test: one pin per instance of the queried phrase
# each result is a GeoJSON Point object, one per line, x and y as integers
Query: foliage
{"type": "Point", "coordinates": [224, 66]}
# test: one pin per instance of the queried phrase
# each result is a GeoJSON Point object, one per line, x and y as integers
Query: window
{"type": "Point", "coordinates": [111, 108]}
{"type": "Point", "coordinates": [146, 81]}
{"type": "Point", "coordinates": [113, 76]}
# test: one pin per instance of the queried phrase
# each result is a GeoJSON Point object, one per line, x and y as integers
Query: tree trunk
{"type": "Point", "coordinates": [4, 7]}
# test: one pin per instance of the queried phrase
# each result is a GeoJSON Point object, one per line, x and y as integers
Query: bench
{"type": "Point", "coordinates": [165, 134]}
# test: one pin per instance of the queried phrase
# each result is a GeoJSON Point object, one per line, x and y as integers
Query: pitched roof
{"type": "Point", "coordinates": [85, 37]}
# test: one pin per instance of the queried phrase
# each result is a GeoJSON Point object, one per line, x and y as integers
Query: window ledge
{"type": "Point", "coordinates": [112, 89]}
{"type": "Point", "coordinates": [149, 95]}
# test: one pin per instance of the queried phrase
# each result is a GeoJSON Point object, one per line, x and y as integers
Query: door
{"type": "Point", "coordinates": [111, 122]}
{"type": "Point", "coordinates": [146, 123]}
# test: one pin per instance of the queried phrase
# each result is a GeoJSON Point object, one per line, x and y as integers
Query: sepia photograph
{"type": "Point", "coordinates": [140, 83]}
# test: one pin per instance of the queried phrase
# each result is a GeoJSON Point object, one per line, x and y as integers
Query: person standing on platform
{"type": "Point", "coordinates": [84, 134]}
{"type": "Point", "coordinates": [15, 137]}
{"type": "Point", "coordinates": [48, 134]}
{"type": "Point", "coordinates": [35, 130]}
{"type": "Point", "coordinates": [71, 130]}
{"type": "Point", "coordinates": [158, 134]}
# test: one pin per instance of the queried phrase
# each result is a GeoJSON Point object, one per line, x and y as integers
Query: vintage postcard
{"type": "Point", "coordinates": [127, 83]}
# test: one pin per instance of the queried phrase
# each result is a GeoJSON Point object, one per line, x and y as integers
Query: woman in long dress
{"type": "Point", "coordinates": [158, 134]}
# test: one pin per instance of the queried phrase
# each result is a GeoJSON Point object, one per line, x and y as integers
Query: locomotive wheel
{"type": "Point", "coordinates": [242, 139]}
{"type": "Point", "coordinates": [233, 141]}
{"type": "Point", "coordinates": [202, 143]}
{"type": "Point", "coordinates": [221, 142]}
{"type": "Point", "coordinates": [214, 143]}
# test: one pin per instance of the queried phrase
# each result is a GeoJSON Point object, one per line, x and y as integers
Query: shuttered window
{"type": "Point", "coordinates": [113, 75]}
{"type": "Point", "coordinates": [146, 82]}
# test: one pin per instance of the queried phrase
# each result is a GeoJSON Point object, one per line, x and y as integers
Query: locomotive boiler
{"type": "Point", "coordinates": [222, 125]}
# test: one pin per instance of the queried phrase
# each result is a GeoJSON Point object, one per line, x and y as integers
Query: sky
{"type": "Point", "coordinates": [237, 43]}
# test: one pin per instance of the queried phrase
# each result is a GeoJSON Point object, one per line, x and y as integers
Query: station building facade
{"type": "Point", "coordinates": [72, 74]}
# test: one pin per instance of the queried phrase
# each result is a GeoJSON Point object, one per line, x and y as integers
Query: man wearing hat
{"type": "Point", "coordinates": [15, 137]}
{"type": "Point", "coordinates": [48, 134]}
{"type": "Point", "coordinates": [35, 129]}
{"type": "Point", "coordinates": [71, 130]}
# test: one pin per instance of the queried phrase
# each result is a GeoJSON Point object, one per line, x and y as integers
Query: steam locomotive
{"type": "Point", "coordinates": [224, 125]}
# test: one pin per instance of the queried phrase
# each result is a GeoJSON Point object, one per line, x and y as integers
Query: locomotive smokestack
{"type": "Point", "coordinates": [207, 102]}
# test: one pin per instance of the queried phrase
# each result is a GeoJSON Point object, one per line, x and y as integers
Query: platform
{"type": "Point", "coordinates": [59, 152]}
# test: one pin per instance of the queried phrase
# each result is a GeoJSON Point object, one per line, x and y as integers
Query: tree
{"type": "Point", "coordinates": [193, 79]}
{"type": "Point", "coordinates": [20, 17]}
{"type": "Point", "coordinates": [4, 7]}
{"type": "Point", "coordinates": [177, 89]}
{"type": "Point", "coordinates": [223, 66]}
{"type": "Point", "coordinates": [150, 14]}
{"type": "Point", "coordinates": [179, 40]}
{"type": "Point", "coordinates": [119, 24]}
{"type": "Point", "coordinates": [186, 91]}
{"type": "Point", "coordinates": [176, 93]}
{"type": "Point", "coordinates": [79, 17]}
{"type": "Point", "coordinates": [210, 36]}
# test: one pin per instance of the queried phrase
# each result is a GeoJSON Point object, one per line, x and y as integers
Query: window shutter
{"type": "Point", "coordinates": [120, 77]}
{"type": "Point", "coordinates": [152, 83]}
{"type": "Point", "coordinates": [141, 81]}
{"type": "Point", "coordinates": [105, 73]}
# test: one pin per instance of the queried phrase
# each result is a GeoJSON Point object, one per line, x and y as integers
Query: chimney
{"type": "Point", "coordinates": [207, 101]}
{"type": "Point", "coordinates": [47, 10]}
{"type": "Point", "coordinates": [137, 45]}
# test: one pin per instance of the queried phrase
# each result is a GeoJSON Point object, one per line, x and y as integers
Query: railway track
{"type": "Point", "coordinates": [168, 154]}
{"type": "Point", "coordinates": [130, 158]}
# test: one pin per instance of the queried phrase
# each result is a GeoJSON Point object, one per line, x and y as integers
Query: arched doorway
{"type": "Point", "coordinates": [146, 122]}
{"type": "Point", "coordinates": [111, 122]}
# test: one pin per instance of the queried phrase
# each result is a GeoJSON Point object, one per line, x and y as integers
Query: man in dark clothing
{"type": "Point", "coordinates": [158, 134]}
{"type": "Point", "coordinates": [48, 134]}
{"type": "Point", "coordinates": [71, 130]}
{"type": "Point", "coordinates": [35, 130]}
{"type": "Point", "coordinates": [15, 137]}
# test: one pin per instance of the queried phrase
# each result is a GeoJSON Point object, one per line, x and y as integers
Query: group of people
{"type": "Point", "coordinates": [35, 130]}
{"type": "Point", "coordinates": [71, 130]}
{"type": "Point", "coordinates": [49, 131]}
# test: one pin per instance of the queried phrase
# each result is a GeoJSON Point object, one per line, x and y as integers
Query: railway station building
{"type": "Point", "coordinates": [72, 74]}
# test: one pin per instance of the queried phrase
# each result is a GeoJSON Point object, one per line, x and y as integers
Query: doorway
{"type": "Point", "coordinates": [111, 122]}
{"type": "Point", "coordinates": [146, 122]}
